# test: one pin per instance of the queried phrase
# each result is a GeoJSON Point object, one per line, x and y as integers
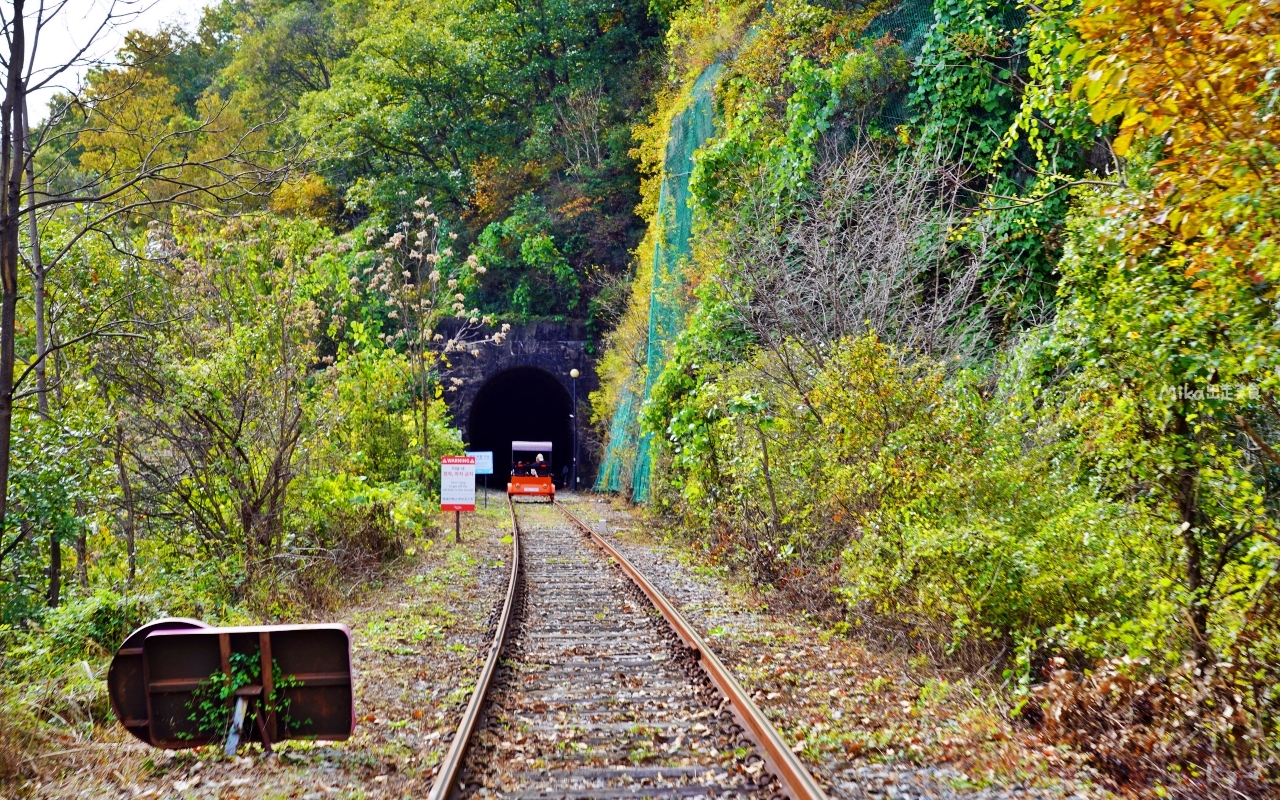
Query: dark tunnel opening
{"type": "Point", "coordinates": [522, 403]}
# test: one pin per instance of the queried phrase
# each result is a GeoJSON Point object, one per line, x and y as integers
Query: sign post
{"type": "Point", "coordinates": [484, 466]}
{"type": "Point", "coordinates": [457, 488]}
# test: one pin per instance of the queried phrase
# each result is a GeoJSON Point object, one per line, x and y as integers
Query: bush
{"type": "Point", "coordinates": [56, 667]}
{"type": "Point", "coordinates": [1147, 728]}
{"type": "Point", "coordinates": [900, 498]}
{"type": "Point", "coordinates": [88, 629]}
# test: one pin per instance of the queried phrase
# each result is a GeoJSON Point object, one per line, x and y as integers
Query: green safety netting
{"type": "Point", "coordinates": [626, 464]}
{"type": "Point", "coordinates": [626, 461]}
{"type": "Point", "coordinates": [908, 23]}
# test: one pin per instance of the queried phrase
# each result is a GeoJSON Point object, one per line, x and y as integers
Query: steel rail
{"type": "Point", "coordinates": [795, 779]}
{"type": "Point", "coordinates": [451, 766]}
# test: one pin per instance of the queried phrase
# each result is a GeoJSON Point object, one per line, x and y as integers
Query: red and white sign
{"type": "Point", "coordinates": [458, 483]}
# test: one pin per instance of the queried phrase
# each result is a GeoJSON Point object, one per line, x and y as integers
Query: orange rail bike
{"type": "Point", "coordinates": [531, 471]}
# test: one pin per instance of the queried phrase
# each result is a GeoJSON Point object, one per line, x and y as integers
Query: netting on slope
{"type": "Point", "coordinates": [689, 130]}
{"type": "Point", "coordinates": [626, 463]}
{"type": "Point", "coordinates": [908, 23]}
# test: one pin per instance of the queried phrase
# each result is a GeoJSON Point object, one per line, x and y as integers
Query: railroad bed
{"type": "Point", "coordinates": [597, 694]}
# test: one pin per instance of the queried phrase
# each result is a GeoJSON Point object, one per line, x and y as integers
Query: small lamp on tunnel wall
{"type": "Point", "coordinates": [573, 476]}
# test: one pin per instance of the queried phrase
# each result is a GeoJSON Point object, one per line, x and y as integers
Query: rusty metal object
{"type": "Point", "coordinates": [170, 663]}
{"type": "Point", "coordinates": [126, 680]}
{"type": "Point", "coordinates": [795, 779]}
{"type": "Point", "coordinates": [451, 766]}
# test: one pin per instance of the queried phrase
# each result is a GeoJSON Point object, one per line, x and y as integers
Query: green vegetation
{"type": "Point", "coordinates": [237, 269]}
{"type": "Point", "coordinates": [210, 703]}
{"type": "Point", "coordinates": [977, 351]}
{"type": "Point", "coordinates": [953, 321]}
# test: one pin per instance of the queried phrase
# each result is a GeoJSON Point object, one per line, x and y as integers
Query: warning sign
{"type": "Point", "coordinates": [458, 483]}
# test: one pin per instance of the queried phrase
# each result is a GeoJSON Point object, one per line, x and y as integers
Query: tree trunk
{"type": "Point", "coordinates": [768, 479]}
{"type": "Point", "coordinates": [37, 273]}
{"type": "Point", "coordinates": [82, 547]}
{"type": "Point", "coordinates": [130, 522]}
{"type": "Point", "coordinates": [55, 569]}
{"type": "Point", "coordinates": [1193, 550]}
{"type": "Point", "coordinates": [10, 219]}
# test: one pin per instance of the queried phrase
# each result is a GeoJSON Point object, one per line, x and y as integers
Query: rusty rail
{"type": "Point", "coordinates": [447, 776]}
{"type": "Point", "coordinates": [795, 779]}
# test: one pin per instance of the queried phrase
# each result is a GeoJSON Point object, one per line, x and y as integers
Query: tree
{"type": "Point", "coordinates": [436, 92]}
{"type": "Point", "coordinates": [423, 282]}
{"type": "Point", "coordinates": [140, 157]}
{"type": "Point", "coordinates": [288, 48]}
{"type": "Point", "coordinates": [1173, 281]}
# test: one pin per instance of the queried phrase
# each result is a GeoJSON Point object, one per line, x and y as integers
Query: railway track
{"type": "Point", "coordinates": [596, 687]}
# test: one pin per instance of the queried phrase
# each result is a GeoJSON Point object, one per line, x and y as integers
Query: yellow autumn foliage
{"type": "Point", "coordinates": [1201, 77]}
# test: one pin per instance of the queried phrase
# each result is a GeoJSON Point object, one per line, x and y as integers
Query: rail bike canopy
{"type": "Point", "coordinates": [178, 683]}
{"type": "Point", "coordinates": [529, 447]}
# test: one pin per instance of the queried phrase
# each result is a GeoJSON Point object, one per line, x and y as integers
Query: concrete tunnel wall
{"type": "Point", "coordinates": [521, 389]}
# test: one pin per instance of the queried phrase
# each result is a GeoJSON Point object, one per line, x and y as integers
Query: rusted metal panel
{"type": "Point", "coordinates": [127, 680]}
{"type": "Point", "coordinates": [161, 677]}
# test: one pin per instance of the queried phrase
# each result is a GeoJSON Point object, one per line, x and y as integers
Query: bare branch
{"type": "Point", "coordinates": [868, 251]}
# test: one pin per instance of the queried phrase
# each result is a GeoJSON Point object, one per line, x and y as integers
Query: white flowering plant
{"type": "Point", "coordinates": [417, 275]}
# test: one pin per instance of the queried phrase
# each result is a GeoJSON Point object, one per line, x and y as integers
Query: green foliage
{"type": "Point", "coordinates": [1167, 420]}
{"type": "Point", "coordinates": [212, 702]}
{"type": "Point", "coordinates": [51, 478]}
{"type": "Point", "coordinates": [822, 86]}
{"type": "Point", "coordinates": [921, 489]}
{"type": "Point", "coordinates": [370, 417]}
{"type": "Point", "coordinates": [284, 48]}
{"type": "Point", "coordinates": [1053, 125]}
{"type": "Point", "coordinates": [988, 94]}
{"type": "Point", "coordinates": [1104, 485]}
{"type": "Point", "coordinates": [190, 63]}
{"type": "Point", "coordinates": [457, 99]}
{"type": "Point", "coordinates": [525, 271]}
{"type": "Point", "coordinates": [209, 437]}
{"type": "Point", "coordinates": [87, 629]}
{"type": "Point", "coordinates": [964, 84]}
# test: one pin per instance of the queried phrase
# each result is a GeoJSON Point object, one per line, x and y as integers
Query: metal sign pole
{"type": "Point", "coordinates": [457, 526]}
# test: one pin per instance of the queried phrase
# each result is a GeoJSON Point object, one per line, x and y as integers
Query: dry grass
{"type": "Point", "coordinates": [353, 550]}
{"type": "Point", "coordinates": [1186, 735]}
{"type": "Point", "coordinates": [15, 743]}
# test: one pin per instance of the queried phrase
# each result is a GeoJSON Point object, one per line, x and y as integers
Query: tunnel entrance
{"type": "Point", "coordinates": [522, 403]}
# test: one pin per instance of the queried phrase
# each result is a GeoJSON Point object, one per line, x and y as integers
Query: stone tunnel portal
{"type": "Point", "coordinates": [522, 403]}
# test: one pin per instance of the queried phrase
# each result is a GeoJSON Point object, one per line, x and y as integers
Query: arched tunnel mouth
{"type": "Point", "coordinates": [522, 404]}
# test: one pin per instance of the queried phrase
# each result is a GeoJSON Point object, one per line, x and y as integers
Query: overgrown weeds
{"type": "Point", "coordinates": [16, 738]}
{"type": "Point", "coordinates": [350, 548]}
